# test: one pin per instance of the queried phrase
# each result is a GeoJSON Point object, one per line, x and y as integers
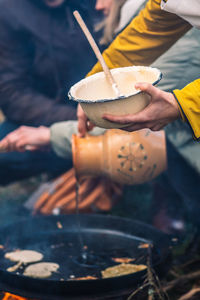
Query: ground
{"type": "Point", "coordinates": [12, 198]}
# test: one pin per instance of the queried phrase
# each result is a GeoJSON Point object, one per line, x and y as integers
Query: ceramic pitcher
{"type": "Point", "coordinates": [126, 157]}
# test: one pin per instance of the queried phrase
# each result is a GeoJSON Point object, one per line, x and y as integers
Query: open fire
{"type": "Point", "coordinates": [8, 296]}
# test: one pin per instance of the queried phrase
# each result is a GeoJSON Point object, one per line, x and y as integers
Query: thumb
{"type": "Point", "coordinates": [82, 127]}
{"type": "Point", "coordinates": [147, 88]}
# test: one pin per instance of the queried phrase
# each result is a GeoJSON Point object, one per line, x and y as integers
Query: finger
{"type": "Point", "coordinates": [147, 88]}
{"type": "Point", "coordinates": [157, 127]}
{"type": "Point", "coordinates": [122, 119]}
{"type": "Point", "coordinates": [32, 148]}
{"type": "Point", "coordinates": [13, 138]}
{"type": "Point", "coordinates": [82, 126]}
{"type": "Point", "coordinates": [12, 144]}
{"type": "Point", "coordinates": [19, 143]}
{"type": "Point", "coordinates": [135, 127]}
{"type": "Point", "coordinates": [140, 117]}
{"type": "Point", "coordinates": [82, 121]}
{"type": "Point", "coordinates": [35, 136]}
{"type": "Point", "coordinates": [4, 145]}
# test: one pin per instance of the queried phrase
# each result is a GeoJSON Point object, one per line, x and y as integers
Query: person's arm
{"type": "Point", "coordinates": [165, 108]}
{"type": "Point", "coordinates": [60, 138]}
{"type": "Point", "coordinates": [189, 102]}
{"type": "Point", "coordinates": [19, 100]}
{"type": "Point", "coordinates": [148, 36]}
{"type": "Point", "coordinates": [61, 135]}
{"type": "Point", "coordinates": [26, 138]}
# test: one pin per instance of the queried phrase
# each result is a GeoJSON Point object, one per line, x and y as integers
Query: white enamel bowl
{"type": "Point", "coordinates": [97, 97]}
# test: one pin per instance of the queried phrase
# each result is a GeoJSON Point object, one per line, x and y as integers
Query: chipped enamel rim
{"type": "Point", "coordinates": [99, 75]}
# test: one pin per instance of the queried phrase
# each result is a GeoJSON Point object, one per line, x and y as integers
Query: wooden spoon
{"type": "Point", "coordinates": [97, 53]}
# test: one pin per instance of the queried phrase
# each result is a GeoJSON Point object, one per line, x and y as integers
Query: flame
{"type": "Point", "coordinates": [8, 296]}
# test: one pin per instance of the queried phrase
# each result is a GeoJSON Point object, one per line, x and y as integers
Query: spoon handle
{"type": "Point", "coordinates": [97, 52]}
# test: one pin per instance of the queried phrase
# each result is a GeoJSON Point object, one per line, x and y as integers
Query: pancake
{"type": "Point", "coordinates": [41, 270]}
{"type": "Point", "coordinates": [122, 269]}
{"type": "Point", "coordinates": [24, 256]}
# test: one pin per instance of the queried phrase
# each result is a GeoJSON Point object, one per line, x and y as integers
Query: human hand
{"type": "Point", "coordinates": [162, 109]}
{"type": "Point", "coordinates": [84, 125]}
{"type": "Point", "coordinates": [26, 138]}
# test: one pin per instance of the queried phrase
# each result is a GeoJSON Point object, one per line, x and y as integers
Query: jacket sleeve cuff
{"type": "Point", "coordinates": [60, 137]}
{"type": "Point", "coordinates": [189, 103]}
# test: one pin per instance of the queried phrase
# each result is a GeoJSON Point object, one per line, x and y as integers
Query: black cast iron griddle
{"type": "Point", "coordinates": [105, 237]}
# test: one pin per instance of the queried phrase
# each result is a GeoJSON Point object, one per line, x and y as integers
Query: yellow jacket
{"type": "Point", "coordinates": [148, 36]}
